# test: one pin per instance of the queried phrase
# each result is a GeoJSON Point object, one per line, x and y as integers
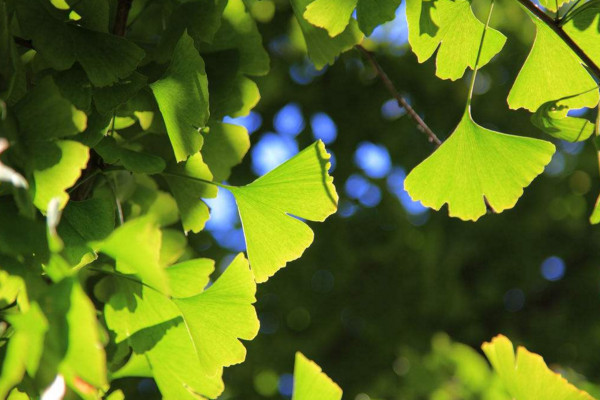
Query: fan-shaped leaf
{"type": "Point", "coordinates": [57, 166]}
{"type": "Point", "coordinates": [526, 376]}
{"type": "Point", "coordinates": [545, 76]}
{"type": "Point", "coordinates": [451, 26]}
{"type": "Point", "coordinates": [189, 183]}
{"type": "Point", "coordinates": [311, 383]}
{"type": "Point", "coordinates": [135, 246]}
{"type": "Point", "coordinates": [300, 187]}
{"type": "Point", "coordinates": [474, 165]}
{"type": "Point", "coordinates": [188, 339]}
{"type": "Point", "coordinates": [322, 49]}
{"type": "Point", "coordinates": [182, 97]}
{"type": "Point", "coordinates": [552, 118]}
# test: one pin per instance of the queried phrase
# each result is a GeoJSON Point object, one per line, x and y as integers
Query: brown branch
{"type": "Point", "coordinates": [123, 8]}
{"type": "Point", "coordinates": [556, 27]}
{"type": "Point", "coordinates": [23, 42]}
{"type": "Point", "coordinates": [421, 125]}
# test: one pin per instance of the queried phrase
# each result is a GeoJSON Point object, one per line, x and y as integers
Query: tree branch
{"type": "Point", "coordinates": [23, 42]}
{"type": "Point", "coordinates": [556, 27]}
{"type": "Point", "coordinates": [421, 125]}
{"type": "Point", "coordinates": [123, 8]}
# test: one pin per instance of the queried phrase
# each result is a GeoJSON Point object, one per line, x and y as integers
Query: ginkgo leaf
{"type": "Point", "coordinates": [332, 15]}
{"type": "Point", "coordinates": [24, 348]}
{"type": "Point", "coordinates": [300, 187]}
{"type": "Point", "coordinates": [476, 165]}
{"type": "Point", "coordinates": [372, 13]}
{"type": "Point", "coordinates": [201, 19]}
{"type": "Point", "coordinates": [72, 344]}
{"type": "Point", "coordinates": [44, 113]}
{"type": "Point", "coordinates": [451, 26]}
{"type": "Point", "coordinates": [547, 77]}
{"type": "Point", "coordinates": [323, 49]}
{"type": "Point", "coordinates": [7, 174]}
{"type": "Point", "coordinates": [57, 166]}
{"type": "Point", "coordinates": [199, 331]}
{"type": "Point", "coordinates": [105, 58]}
{"type": "Point", "coordinates": [188, 182]}
{"type": "Point", "coordinates": [182, 97]}
{"type": "Point", "coordinates": [238, 31]}
{"type": "Point", "coordinates": [335, 15]}
{"type": "Point", "coordinates": [311, 383]}
{"type": "Point", "coordinates": [231, 92]}
{"type": "Point", "coordinates": [552, 118]}
{"type": "Point", "coordinates": [583, 25]}
{"type": "Point", "coordinates": [526, 376]}
{"type": "Point", "coordinates": [135, 246]}
{"type": "Point", "coordinates": [224, 147]}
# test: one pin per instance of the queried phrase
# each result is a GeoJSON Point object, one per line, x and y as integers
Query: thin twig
{"type": "Point", "coordinates": [23, 42]}
{"type": "Point", "coordinates": [401, 101]}
{"type": "Point", "coordinates": [556, 27]}
{"type": "Point", "coordinates": [123, 8]}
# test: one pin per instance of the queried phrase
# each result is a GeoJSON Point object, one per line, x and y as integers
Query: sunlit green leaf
{"type": "Point", "coordinates": [332, 15]}
{"type": "Point", "coordinates": [300, 187]}
{"type": "Point", "coordinates": [224, 147]}
{"type": "Point", "coordinates": [526, 375]}
{"type": "Point", "coordinates": [182, 96]}
{"type": "Point", "coordinates": [323, 49]}
{"type": "Point", "coordinates": [552, 118]}
{"type": "Point", "coordinates": [547, 77]}
{"type": "Point", "coordinates": [583, 27]}
{"type": "Point", "coordinates": [311, 383]}
{"type": "Point", "coordinates": [105, 58]}
{"type": "Point", "coordinates": [72, 344]}
{"type": "Point", "coordinates": [200, 331]}
{"type": "Point", "coordinates": [57, 166]}
{"type": "Point", "coordinates": [136, 248]}
{"type": "Point", "coordinates": [24, 347]}
{"type": "Point", "coordinates": [186, 184]}
{"type": "Point", "coordinates": [451, 26]}
{"type": "Point", "coordinates": [335, 15]}
{"type": "Point", "coordinates": [476, 165]}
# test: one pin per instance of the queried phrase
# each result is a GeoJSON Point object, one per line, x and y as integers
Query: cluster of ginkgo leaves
{"type": "Point", "coordinates": [112, 133]}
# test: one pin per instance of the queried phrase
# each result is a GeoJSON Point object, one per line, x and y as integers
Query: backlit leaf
{"type": "Point", "coordinates": [526, 376]}
{"type": "Point", "coordinates": [311, 383]}
{"type": "Point", "coordinates": [189, 339]}
{"type": "Point", "coordinates": [224, 147]}
{"type": "Point", "coordinates": [474, 165]}
{"type": "Point", "coordinates": [135, 246]}
{"type": "Point", "coordinates": [300, 187]}
{"type": "Point", "coordinates": [552, 118]}
{"type": "Point", "coordinates": [547, 77]}
{"type": "Point", "coordinates": [451, 26]}
{"type": "Point", "coordinates": [182, 96]}
{"type": "Point", "coordinates": [188, 192]}
{"type": "Point", "coordinates": [323, 49]}
{"type": "Point", "coordinates": [57, 166]}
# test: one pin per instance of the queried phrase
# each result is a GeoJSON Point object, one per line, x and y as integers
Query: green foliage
{"type": "Point", "coordinates": [451, 26]}
{"type": "Point", "coordinates": [113, 132]}
{"type": "Point", "coordinates": [311, 383]}
{"type": "Point", "coordinates": [526, 375]}
{"type": "Point", "coordinates": [475, 167]}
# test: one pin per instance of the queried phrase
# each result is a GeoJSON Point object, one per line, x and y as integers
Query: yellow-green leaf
{"type": "Point", "coordinates": [451, 26]}
{"type": "Point", "coordinates": [526, 376]}
{"type": "Point", "coordinates": [300, 187]}
{"type": "Point", "coordinates": [476, 165]}
{"type": "Point", "coordinates": [311, 383]}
